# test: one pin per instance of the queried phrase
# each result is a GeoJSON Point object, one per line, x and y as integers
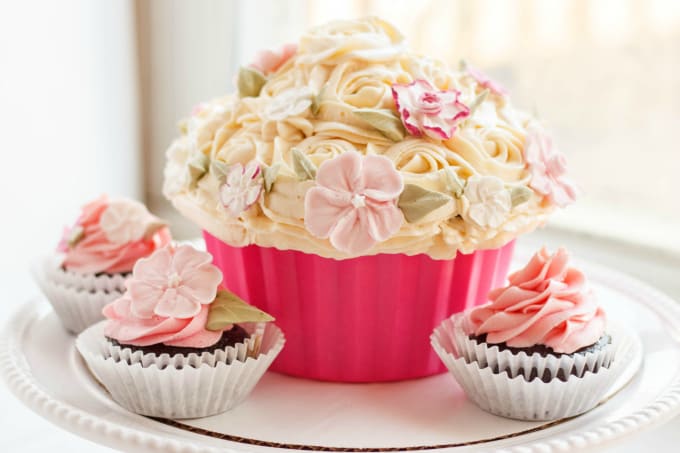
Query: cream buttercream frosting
{"type": "Point", "coordinates": [452, 136]}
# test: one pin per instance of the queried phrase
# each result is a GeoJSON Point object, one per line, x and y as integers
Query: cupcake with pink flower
{"type": "Point", "coordinates": [176, 332]}
{"type": "Point", "coordinates": [95, 257]}
{"type": "Point", "coordinates": [540, 349]}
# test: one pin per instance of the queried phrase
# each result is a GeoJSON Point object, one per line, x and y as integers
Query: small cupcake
{"type": "Point", "coordinates": [174, 345]}
{"type": "Point", "coordinates": [539, 350]}
{"type": "Point", "coordinates": [96, 256]}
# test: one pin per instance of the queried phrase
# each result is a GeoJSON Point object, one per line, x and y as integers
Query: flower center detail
{"type": "Point", "coordinates": [358, 201]}
{"type": "Point", "coordinates": [174, 280]}
{"type": "Point", "coordinates": [430, 103]}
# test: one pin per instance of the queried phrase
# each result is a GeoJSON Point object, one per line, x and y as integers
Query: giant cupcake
{"type": "Point", "coordinates": [360, 193]}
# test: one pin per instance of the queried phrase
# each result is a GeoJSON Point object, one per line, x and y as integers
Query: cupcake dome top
{"type": "Point", "coordinates": [346, 144]}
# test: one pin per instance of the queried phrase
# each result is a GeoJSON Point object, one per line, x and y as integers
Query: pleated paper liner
{"type": "Point", "coordinates": [498, 383]}
{"type": "Point", "coordinates": [355, 320]}
{"type": "Point", "coordinates": [78, 299]}
{"type": "Point", "coordinates": [180, 386]}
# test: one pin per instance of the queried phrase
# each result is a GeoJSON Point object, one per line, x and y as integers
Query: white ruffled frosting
{"type": "Point", "coordinates": [308, 104]}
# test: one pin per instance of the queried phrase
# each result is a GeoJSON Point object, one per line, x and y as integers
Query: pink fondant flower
{"type": "Point", "coordinates": [484, 81]}
{"type": "Point", "coordinates": [268, 61]}
{"type": "Point", "coordinates": [548, 169]}
{"type": "Point", "coordinates": [354, 202]}
{"type": "Point", "coordinates": [173, 283]}
{"type": "Point", "coordinates": [242, 188]}
{"type": "Point", "coordinates": [426, 110]}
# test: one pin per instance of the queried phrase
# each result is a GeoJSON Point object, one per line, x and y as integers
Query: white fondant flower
{"type": "Point", "coordinates": [490, 201]}
{"type": "Point", "coordinates": [125, 221]}
{"type": "Point", "coordinates": [242, 188]}
{"type": "Point", "coordinates": [291, 102]}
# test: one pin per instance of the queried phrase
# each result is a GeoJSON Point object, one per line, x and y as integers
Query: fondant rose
{"type": "Point", "coordinates": [548, 169]}
{"type": "Point", "coordinates": [242, 188]}
{"type": "Point", "coordinates": [354, 202]}
{"type": "Point", "coordinates": [110, 236]}
{"type": "Point", "coordinates": [490, 201]}
{"type": "Point", "coordinates": [485, 82]}
{"type": "Point", "coordinates": [268, 61]}
{"type": "Point", "coordinates": [426, 110]}
{"type": "Point", "coordinates": [173, 283]}
{"type": "Point", "coordinates": [368, 39]}
{"type": "Point", "coordinates": [546, 303]}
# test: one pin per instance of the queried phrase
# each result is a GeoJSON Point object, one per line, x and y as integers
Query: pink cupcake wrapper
{"type": "Point", "coordinates": [355, 320]}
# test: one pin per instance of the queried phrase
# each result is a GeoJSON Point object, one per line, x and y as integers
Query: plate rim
{"type": "Point", "coordinates": [17, 375]}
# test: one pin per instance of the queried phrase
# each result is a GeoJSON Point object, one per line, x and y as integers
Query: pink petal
{"type": "Point", "coordinates": [382, 220]}
{"type": "Point", "coordinates": [351, 234]}
{"type": "Point", "coordinates": [379, 179]}
{"type": "Point", "coordinates": [154, 268]}
{"type": "Point", "coordinates": [187, 258]}
{"type": "Point", "coordinates": [175, 305]}
{"type": "Point", "coordinates": [200, 285]}
{"type": "Point", "coordinates": [340, 173]}
{"type": "Point", "coordinates": [144, 297]}
{"type": "Point", "coordinates": [324, 208]}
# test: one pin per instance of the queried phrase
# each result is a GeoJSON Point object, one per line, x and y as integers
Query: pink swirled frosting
{"type": "Point", "coordinates": [110, 236]}
{"type": "Point", "coordinates": [167, 301]}
{"type": "Point", "coordinates": [546, 303]}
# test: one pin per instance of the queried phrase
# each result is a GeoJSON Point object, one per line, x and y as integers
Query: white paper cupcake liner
{"type": "Point", "coordinates": [514, 396]}
{"type": "Point", "coordinates": [550, 366]}
{"type": "Point", "coordinates": [179, 386]}
{"type": "Point", "coordinates": [77, 299]}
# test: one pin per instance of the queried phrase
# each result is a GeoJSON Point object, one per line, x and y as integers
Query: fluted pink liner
{"type": "Point", "coordinates": [364, 319]}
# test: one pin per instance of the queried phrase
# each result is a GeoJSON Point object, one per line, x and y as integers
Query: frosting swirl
{"type": "Point", "coordinates": [110, 236]}
{"type": "Point", "coordinates": [334, 96]}
{"type": "Point", "coordinates": [546, 303]}
{"type": "Point", "coordinates": [167, 300]}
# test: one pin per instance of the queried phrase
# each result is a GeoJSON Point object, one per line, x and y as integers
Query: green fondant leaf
{"type": "Point", "coordinates": [219, 170]}
{"type": "Point", "coordinates": [520, 195]}
{"type": "Point", "coordinates": [384, 121]}
{"type": "Point", "coordinates": [453, 183]}
{"type": "Point", "coordinates": [228, 308]}
{"type": "Point", "coordinates": [462, 65]}
{"type": "Point", "coordinates": [478, 101]}
{"type": "Point", "coordinates": [198, 167]}
{"type": "Point", "coordinates": [304, 168]}
{"type": "Point", "coordinates": [250, 82]}
{"type": "Point", "coordinates": [316, 101]}
{"type": "Point", "coordinates": [77, 235]}
{"type": "Point", "coordinates": [269, 174]}
{"type": "Point", "coordinates": [416, 202]}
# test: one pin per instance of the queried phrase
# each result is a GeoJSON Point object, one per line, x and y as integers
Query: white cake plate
{"type": "Point", "coordinates": [41, 366]}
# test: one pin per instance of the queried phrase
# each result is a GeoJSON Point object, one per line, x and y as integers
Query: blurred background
{"type": "Point", "coordinates": [91, 92]}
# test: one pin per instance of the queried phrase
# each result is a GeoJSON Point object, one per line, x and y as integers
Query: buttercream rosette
{"type": "Point", "coordinates": [173, 300]}
{"type": "Point", "coordinates": [472, 171]}
{"type": "Point", "coordinates": [95, 257]}
{"type": "Point", "coordinates": [541, 349]}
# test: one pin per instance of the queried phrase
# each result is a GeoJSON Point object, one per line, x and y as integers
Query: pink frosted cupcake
{"type": "Point", "coordinates": [95, 257]}
{"type": "Point", "coordinates": [539, 350]}
{"type": "Point", "coordinates": [173, 333]}
{"type": "Point", "coordinates": [359, 193]}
